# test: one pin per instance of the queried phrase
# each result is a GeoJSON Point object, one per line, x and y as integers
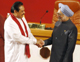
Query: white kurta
{"type": "Point", "coordinates": [15, 41]}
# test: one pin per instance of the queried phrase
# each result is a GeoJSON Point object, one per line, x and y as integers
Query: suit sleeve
{"type": "Point", "coordinates": [72, 37]}
{"type": "Point", "coordinates": [48, 41]}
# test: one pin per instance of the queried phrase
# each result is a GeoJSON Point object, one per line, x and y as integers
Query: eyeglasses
{"type": "Point", "coordinates": [59, 14]}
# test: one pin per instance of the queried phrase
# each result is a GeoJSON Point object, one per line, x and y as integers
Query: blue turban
{"type": "Point", "coordinates": [66, 10]}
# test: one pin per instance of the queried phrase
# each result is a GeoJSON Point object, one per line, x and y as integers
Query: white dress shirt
{"type": "Point", "coordinates": [15, 41]}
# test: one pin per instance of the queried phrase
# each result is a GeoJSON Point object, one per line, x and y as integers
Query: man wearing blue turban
{"type": "Point", "coordinates": [64, 36]}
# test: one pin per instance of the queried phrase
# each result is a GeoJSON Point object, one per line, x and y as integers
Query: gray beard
{"type": "Point", "coordinates": [58, 23]}
{"type": "Point", "coordinates": [59, 20]}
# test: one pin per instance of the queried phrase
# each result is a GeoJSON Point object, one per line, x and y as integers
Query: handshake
{"type": "Point", "coordinates": [40, 43]}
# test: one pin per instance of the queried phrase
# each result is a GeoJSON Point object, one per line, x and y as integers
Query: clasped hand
{"type": "Point", "coordinates": [40, 43]}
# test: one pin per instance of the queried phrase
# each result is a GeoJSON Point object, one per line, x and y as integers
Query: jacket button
{"type": "Point", "coordinates": [55, 37]}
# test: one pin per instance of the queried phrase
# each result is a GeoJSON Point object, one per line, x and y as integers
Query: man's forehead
{"type": "Point", "coordinates": [21, 7]}
{"type": "Point", "coordinates": [59, 11]}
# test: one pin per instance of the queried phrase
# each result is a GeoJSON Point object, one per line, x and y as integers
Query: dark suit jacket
{"type": "Point", "coordinates": [2, 19]}
{"type": "Point", "coordinates": [63, 42]}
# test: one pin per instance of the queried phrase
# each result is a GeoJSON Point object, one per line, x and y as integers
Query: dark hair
{"type": "Point", "coordinates": [16, 6]}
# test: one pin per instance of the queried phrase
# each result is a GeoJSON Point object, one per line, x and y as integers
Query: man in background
{"type": "Point", "coordinates": [18, 36]}
{"type": "Point", "coordinates": [2, 19]}
{"type": "Point", "coordinates": [64, 36]}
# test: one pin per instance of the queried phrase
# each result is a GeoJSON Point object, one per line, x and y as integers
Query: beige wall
{"type": "Point", "coordinates": [35, 52]}
{"type": "Point", "coordinates": [37, 58]}
{"type": "Point", "coordinates": [76, 55]}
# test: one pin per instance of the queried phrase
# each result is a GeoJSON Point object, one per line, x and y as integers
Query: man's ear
{"type": "Point", "coordinates": [15, 11]}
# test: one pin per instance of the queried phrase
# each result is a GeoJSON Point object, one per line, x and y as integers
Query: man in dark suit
{"type": "Point", "coordinates": [2, 19]}
{"type": "Point", "coordinates": [64, 36]}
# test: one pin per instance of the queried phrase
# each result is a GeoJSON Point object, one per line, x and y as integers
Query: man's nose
{"type": "Point", "coordinates": [58, 16]}
{"type": "Point", "coordinates": [24, 12]}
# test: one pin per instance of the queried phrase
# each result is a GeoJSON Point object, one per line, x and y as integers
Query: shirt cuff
{"type": "Point", "coordinates": [35, 41]}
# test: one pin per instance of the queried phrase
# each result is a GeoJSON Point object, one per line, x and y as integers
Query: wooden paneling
{"type": "Point", "coordinates": [41, 33]}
